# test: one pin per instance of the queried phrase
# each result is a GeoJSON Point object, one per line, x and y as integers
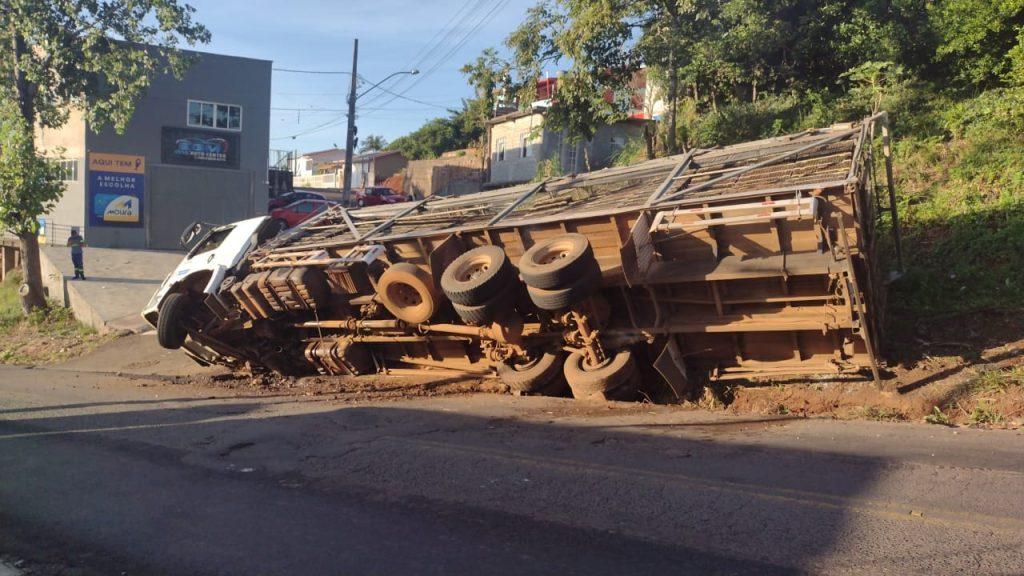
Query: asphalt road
{"type": "Point", "coordinates": [114, 475]}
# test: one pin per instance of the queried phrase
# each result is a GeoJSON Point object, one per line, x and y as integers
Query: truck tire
{"type": "Point", "coordinates": [408, 292]}
{"type": "Point", "coordinates": [170, 322]}
{"type": "Point", "coordinates": [485, 313]}
{"type": "Point", "coordinates": [562, 298]}
{"type": "Point", "coordinates": [534, 376]}
{"type": "Point", "coordinates": [599, 381]}
{"type": "Point", "coordinates": [557, 262]}
{"type": "Point", "coordinates": [477, 275]}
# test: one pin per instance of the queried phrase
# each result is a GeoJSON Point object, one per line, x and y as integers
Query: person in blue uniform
{"type": "Point", "coordinates": [76, 243]}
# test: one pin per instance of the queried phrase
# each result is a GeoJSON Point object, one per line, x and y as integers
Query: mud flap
{"type": "Point", "coordinates": [672, 368]}
{"type": "Point", "coordinates": [637, 253]}
{"type": "Point", "coordinates": [442, 255]}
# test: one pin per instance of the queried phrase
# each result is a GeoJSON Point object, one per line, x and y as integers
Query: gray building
{"type": "Point", "coordinates": [195, 149]}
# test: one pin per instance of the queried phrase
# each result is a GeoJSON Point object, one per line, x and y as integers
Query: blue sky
{"type": "Point", "coordinates": [393, 35]}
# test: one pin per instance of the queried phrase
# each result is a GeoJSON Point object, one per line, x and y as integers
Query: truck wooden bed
{"type": "Point", "coordinates": [746, 261]}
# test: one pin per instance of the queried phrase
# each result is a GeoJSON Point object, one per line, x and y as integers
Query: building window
{"type": "Point", "coordinates": [213, 115]}
{"type": "Point", "coordinates": [68, 170]}
{"type": "Point", "coordinates": [500, 146]}
{"type": "Point", "coordinates": [525, 150]}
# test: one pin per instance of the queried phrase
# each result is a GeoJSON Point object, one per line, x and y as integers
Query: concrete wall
{"type": "Point", "coordinates": [387, 166]}
{"type": "Point", "coordinates": [514, 167]}
{"type": "Point", "coordinates": [572, 157]}
{"type": "Point", "coordinates": [451, 176]}
{"type": "Point", "coordinates": [70, 210]}
{"type": "Point", "coordinates": [215, 78]}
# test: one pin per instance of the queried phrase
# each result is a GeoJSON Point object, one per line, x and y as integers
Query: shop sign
{"type": "Point", "coordinates": [209, 148]}
{"type": "Point", "coordinates": [116, 189]}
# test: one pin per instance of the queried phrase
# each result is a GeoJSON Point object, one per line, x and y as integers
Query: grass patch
{"type": "Point", "coordinates": [47, 335]}
{"type": "Point", "coordinates": [10, 303]}
{"type": "Point", "coordinates": [962, 205]}
{"type": "Point", "coordinates": [994, 397]}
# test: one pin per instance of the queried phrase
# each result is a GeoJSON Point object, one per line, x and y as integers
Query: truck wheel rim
{"type": "Point", "coordinates": [404, 295]}
{"type": "Point", "coordinates": [473, 269]}
{"type": "Point", "coordinates": [553, 253]}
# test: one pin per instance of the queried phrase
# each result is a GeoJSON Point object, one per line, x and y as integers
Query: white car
{"type": "Point", "coordinates": [199, 276]}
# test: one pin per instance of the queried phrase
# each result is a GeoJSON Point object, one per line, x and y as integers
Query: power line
{"type": "Point", "coordinates": [441, 37]}
{"type": "Point", "coordinates": [447, 56]}
{"type": "Point", "coordinates": [295, 71]}
{"type": "Point", "coordinates": [397, 95]}
{"type": "Point", "coordinates": [333, 122]}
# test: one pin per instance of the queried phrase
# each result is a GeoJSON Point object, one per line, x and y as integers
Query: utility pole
{"type": "Point", "coordinates": [350, 137]}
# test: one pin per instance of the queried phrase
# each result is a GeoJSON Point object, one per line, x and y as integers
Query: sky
{"type": "Point", "coordinates": [436, 36]}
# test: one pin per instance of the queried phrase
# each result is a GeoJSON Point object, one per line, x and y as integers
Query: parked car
{"type": "Point", "coordinates": [375, 196]}
{"type": "Point", "coordinates": [286, 199]}
{"type": "Point", "coordinates": [296, 212]}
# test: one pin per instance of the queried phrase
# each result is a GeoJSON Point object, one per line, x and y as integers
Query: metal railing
{"type": "Point", "coordinates": [56, 233]}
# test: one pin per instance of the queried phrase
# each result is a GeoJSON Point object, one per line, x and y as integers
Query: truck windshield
{"type": "Point", "coordinates": [212, 241]}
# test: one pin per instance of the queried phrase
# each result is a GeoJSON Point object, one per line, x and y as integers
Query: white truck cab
{"type": "Point", "coordinates": [200, 273]}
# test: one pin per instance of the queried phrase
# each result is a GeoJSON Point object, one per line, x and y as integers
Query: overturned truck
{"type": "Point", "coordinates": [748, 261]}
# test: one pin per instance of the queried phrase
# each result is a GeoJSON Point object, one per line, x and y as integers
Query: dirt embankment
{"type": "Point", "coordinates": [965, 369]}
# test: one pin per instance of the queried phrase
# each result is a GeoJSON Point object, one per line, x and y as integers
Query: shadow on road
{"type": "Point", "coordinates": [228, 488]}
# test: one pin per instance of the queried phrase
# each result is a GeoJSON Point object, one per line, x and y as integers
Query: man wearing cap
{"type": "Point", "coordinates": [76, 242]}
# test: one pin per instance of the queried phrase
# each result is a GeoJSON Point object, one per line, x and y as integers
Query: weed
{"type": "Point", "coordinates": [938, 417]}
{"type": "Point", "coordinates": [882, 414]}
{"type": "Point", "coordinates": [983, 413]}
{"type": "Point", "coordinates": [998, 380]}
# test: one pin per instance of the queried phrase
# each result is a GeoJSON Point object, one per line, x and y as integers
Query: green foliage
{"type": "Point", "coordinates": [372, 143]}
{"type": "Point", "coordinates": [1000, 109]}
{"type": "Point", "coordinates": [439, 135]}
{"type": "Point", "coordinates": [98, 57]}
{"type": "Point", "coordinates": [740, 121]}
{"type": "Point", "coordinates": [998, 381]}
{"type": "Point", "coordinates": [871, 82]}
{"type": "Point", "coordinates": [939, 417]}
{"type": "Point", "coordinates": [962, 205]}
{"type": "Point", "coordinates": [983, 413]}
{"type": "Point", "coordinates": [632, 153]}
{"type": "Point", "coordinates": [550, 168]}
{"type": "Point", "coordinates": [980, 40]}
{"type": "Point", "coordinates": [10, 304]}
{"type": "Point", "coordinates": [464, 128]}
{"type": "Point", "coordinates": [29, 184]}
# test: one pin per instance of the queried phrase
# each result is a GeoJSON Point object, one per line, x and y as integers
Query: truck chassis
{"type": "Point", "coordinates": [756, 260]}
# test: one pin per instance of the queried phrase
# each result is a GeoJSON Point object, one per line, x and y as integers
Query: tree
{"type": "Point", "coordinates": [373, 143]}
{"type": "Point", "coordinates": [97, 57]}
{"type": "Point", "coordinates": [440, 135]}
{"type": "Point", "coordinates": [29, 185]}
{"type": "Point", "coordinates": [486, 74]}
{"type": "Point", "coordinates": [981, 39]}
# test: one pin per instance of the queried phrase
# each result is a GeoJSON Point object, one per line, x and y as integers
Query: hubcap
{"type": "Point", "coordinates": [405, 295]}
{"type": "Point", "coordinates": [474, 269]}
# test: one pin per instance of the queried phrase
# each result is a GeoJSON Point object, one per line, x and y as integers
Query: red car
{"type": "Point", "coordinates": [375, 196]}
{"type": "Point", "coordinates": [289, 197]}
{"type": "Point", "coordinates": [296, 212]}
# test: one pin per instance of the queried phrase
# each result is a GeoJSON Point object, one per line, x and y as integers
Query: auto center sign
{"type": "Point", "coordinates": [116, 189]}
{"type": "Point", "coordinates": [208, 148]}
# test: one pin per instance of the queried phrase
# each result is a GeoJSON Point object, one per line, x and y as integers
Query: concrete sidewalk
{"type": "Point", "coordinates": [120, 283]}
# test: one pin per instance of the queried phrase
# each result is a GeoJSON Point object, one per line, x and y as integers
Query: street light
{"type": "Point", "coordinates": [412, 72]}
{"type": "Point", "coordinates": [350, 137]}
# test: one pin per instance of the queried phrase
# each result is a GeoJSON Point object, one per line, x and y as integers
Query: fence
{"type": "Point", "coordinates": [330, 180]}
{"type": "Point", "coordinates": [55, 233]}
